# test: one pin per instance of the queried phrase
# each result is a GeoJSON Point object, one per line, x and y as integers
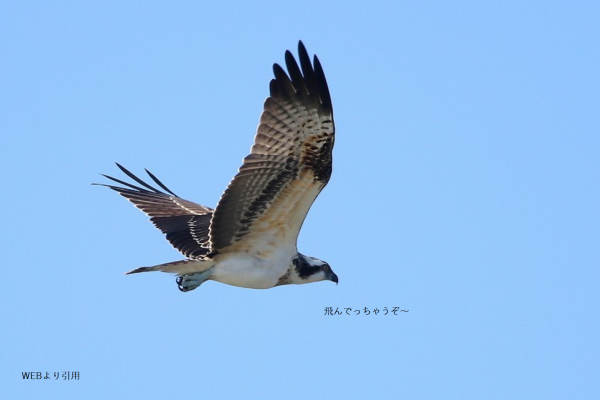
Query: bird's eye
{"type": "Point", "coordinates": [325, 267]}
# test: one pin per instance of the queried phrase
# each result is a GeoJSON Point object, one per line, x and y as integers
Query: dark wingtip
{"type": "Point", "coordinates": [305, 77]}
{"type": "Point", "coordinates": [302, 48]}
{"type": "Point", "coordinates": [159, 183]}
{"type": "Point", "coordinates": [323, 86]}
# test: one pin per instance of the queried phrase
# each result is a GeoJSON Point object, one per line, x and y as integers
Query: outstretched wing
{"type": "Point", "coordinates": [289, 163]}
{"type": "Point", "coordinates": [183, 222]}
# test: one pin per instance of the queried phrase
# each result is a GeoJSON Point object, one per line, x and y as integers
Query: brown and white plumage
{"type": "Point", "coordinates": [249, 240]}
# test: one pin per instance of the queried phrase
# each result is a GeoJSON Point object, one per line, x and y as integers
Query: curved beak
{"type": "Point", "coordinates": [333, 277]}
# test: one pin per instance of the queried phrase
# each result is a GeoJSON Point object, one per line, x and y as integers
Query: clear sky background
{"type": "Point", "coordinates": [465, 190]}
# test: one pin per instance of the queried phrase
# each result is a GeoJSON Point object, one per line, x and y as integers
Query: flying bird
{"type": "Point", "coordinates": [249, 239]}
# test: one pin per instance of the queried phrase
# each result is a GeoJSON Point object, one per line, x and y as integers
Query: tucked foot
{"type": "Point", "coordinates": [188, 282]}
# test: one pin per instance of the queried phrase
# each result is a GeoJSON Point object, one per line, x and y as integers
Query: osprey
{"type": "Point", "coordinates": [249, 239]}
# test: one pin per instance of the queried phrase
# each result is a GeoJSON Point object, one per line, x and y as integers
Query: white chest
{"type": "Point", "coordinates": [252, 269]}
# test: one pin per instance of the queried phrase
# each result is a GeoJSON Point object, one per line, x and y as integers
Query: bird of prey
{"type": "Point", "coordinates": [249, 239]}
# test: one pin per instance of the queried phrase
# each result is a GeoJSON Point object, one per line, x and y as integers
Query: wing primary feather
{"type": "Point", "coordinates": [323, 88]}
{"type": "Point", "coordinates": [283, 81]}
{"type": "Point", "coordinates": [159, 183]}
{"type": "Point", "coordinates": [274, 89]}
{"type": "Point", "coordinates": [120, 182]}
{"type": "Point", "coordinates": [295, 74]}
{"type": "Point", "coordinates": [135, 178]}
{"type": "Point", "coordinates": [307, 69]}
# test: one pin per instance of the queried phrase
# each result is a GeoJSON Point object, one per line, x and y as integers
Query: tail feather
{"type": "Point", "coordinates": [176, 267]}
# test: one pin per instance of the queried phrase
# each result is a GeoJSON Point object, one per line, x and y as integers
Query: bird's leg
{"type": "Point", "coordinates": [189, 282]}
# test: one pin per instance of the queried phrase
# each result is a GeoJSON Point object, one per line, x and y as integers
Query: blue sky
{"type": "Point", "coordinates": [465, 190]}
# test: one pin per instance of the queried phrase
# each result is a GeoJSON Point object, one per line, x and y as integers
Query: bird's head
{"type": "Point", "coordinates": [311, 269]}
